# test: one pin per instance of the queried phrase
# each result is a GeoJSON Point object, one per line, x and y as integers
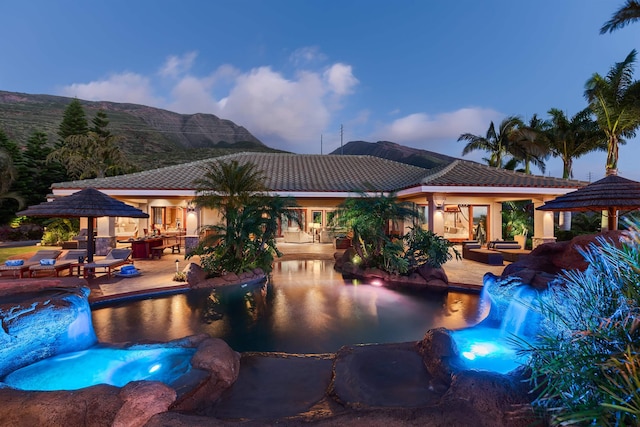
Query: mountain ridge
{"type": "Point", "coordinates": [396, 152]}
{"type": "Point", "coordinates": [153, 136]}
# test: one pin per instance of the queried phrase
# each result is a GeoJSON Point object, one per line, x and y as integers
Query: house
{"type": "Point", "coordinates": [458, 200]}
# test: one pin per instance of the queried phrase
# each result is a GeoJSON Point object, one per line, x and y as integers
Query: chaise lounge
{"type": "Point", "coordinates": [60, 264]}
{"type": "Point", "coordinates": [21, 268]}
{"type": "Point", "coordinates": [115, 258]}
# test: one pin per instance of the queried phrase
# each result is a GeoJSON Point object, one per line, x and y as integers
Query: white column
{"type": "Point", "coordinates": [495, 218]}
{"type": "Point", "coordinates": [542, 224]}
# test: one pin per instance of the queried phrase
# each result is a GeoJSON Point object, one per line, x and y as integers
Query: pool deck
{"type": "Point", "coordinates": [157, 275]}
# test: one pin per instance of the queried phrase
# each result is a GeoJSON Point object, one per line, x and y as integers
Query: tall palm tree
{"type": "Point", "coordinates": [615, 101]}
{"type": "Point", "coordinates": [246, 237]}
{"type": "Point", "coordinates": [569, 139]}
{"type": "Point", "coordinates": [529, 145]}
{"type": "Point", "coordinates": [496, 143]}
{"type": "Point", "coordinates": [628, 13]}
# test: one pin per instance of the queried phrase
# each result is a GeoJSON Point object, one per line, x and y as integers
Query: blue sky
{"type": "Point", "coordinates": [419, 73]}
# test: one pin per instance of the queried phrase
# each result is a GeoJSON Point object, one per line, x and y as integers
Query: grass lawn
{"type": "Point", "coordinates": [13, 252]}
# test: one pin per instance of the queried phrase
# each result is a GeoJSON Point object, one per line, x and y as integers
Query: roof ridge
{"type": "Point", "coordinates": [443, 170]}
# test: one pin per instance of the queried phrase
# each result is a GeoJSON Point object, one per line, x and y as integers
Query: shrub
{"type": "Point", "coordinates": [585, 364]}
{"type": "Point", "coordinates": [426, 247]}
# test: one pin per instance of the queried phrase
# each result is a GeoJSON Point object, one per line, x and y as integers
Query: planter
{"type": "Point", "coordinates": [342, 242]}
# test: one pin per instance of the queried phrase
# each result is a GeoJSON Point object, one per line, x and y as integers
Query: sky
{"type": "Point", "coordinates": [308, 75]}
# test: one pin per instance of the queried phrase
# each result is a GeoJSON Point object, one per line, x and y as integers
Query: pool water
{"type": "Point", "coordinates": [306, 307]}
{"type": "Point", "coordinates": [103, 365]}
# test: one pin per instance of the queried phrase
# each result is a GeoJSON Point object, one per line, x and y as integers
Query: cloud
{"type": "Point", "coordinates": [125, 87]}
{"type": "Point", "coordinates": [307, 55]}
{"type": "Point", "coordinates": [420, 129]}
{"type": "Point", "coordinates": [175, 66]}
{"type": "Point", "coordinates": [340, 79]}
{"type": "Point", "coordinates": [277, 108]}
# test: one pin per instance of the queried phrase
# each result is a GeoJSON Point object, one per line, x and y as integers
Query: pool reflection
{"type": "Point", "coordinates": [306, 307]}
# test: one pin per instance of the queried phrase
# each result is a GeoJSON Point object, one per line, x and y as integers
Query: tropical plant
{"type": "Point", "coordinates": [496, 143]}
{"type": "Point", "coordinates": [424, 247]}
{"type": "Point", "coordinates": [370, 218]}
{"type": "Point", "coordinates": [517, 218]}
{"type": "Point", "coordinates": [59, 230]}
{"type": "Point", "coordinates": [615, 101]}
{"type": "Point", "coordinates": [245, 238]}
{"type": "Point", "coordinates": [628, 13]}
{"type": "Point", "coordinates": [584, 366]}
{"type": "Point", "coordinates": [569, 139]}
{"type": "Point", "coordinates": [528, 144]}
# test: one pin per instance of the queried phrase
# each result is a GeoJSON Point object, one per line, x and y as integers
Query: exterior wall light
{"type": "Point", "coordinates": [439, 202]}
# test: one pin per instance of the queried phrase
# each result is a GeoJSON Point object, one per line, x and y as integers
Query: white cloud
{"type": "Point", "coordinates": [125, 87]}
{"type": "Point", "coordinates": [420, 129]}
{"type": "Point", "coordinates": [306, 55]}
{"type": "Point", "coordinates": [340, 79]}
{"type": "Point", "coordinates": [277, 108]}
{"type": "Point", "coordinates": [176, 66]}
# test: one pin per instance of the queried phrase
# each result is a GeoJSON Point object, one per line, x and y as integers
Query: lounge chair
{"type": "Point", "coordinates": [34, 260]}
{"type": "Point", "coordinates": [62, 263]}
{"type": "Point", "coordinates": [115, 258]}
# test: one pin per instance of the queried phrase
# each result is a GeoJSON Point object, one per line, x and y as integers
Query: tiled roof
{"type": "Point", "coordinates": [465, 173]}
{"type": "Point", "coordinates": [283, 172]}
{"type": "Point", "coordinates": [328, 173]}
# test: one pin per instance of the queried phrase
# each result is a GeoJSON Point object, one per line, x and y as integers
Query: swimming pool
{"type": "Point", "coordinates": [306, 307]}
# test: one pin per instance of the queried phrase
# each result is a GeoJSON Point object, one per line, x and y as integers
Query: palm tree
{"type": "Point", "coordinates": [628, 13]}
{"type": "Point", "coordinates": [497, 144]}
{"type": "Point", "coordinates": [615, 101]}
{"type": "Point", "coordinates": [569, 139]}
{"type": "Point", "coordinates": [246, 237]}
{"type": "Point", "coordinates": [369, 217]}
{"type": "Point", "coordinates": [528, 144]}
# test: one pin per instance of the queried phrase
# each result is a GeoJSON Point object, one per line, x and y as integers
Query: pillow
{"type": "Point", "coordinates": [47, 261]}
{"type": "Point", "coordinates": [14, 262]}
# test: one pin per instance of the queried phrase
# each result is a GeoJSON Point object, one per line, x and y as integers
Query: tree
{"type": "Point", "coordinates": [569, 139]}
{"type": "Point", "coordinates": [74, 122]}
{"type": "Point", "coordinates": [528, 144]}
{"type": "Point", "coordinates": [628, 13]}
{"type": "Point", "coordinates": [245, 238]}
{"type": "Point", "coordinates": [91, 156]}
{"type": "Point", "coordinates": [369, 219]}
{"type": "Point", "coordinates": [8, 172]}
{"type": "Point", "coordinates": [615, 101]}
{"type": "Point", "coordinates": [36, 175]}
{"type": "Point", "coordinates": [100, 123]}
{"type": "Point", "coordinates": [497, 144]}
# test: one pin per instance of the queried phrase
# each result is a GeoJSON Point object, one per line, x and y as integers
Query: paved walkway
{"type": "Point", "coordinates": [157, 274]}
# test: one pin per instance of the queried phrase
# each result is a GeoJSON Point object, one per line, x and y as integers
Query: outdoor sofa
{"type": "Point", "coordinates": [472, 250]}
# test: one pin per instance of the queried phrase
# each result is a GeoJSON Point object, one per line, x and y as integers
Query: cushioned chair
{"type": "Point", "coordinates": [34, 260]}
{"type": "Point", "coordinates": [115, 258]}
{"type": "Point", "coordinates": [62, 263]}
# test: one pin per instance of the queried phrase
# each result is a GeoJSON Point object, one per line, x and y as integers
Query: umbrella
{"type": "Point", "coordinates": [612, 194]}
{"type": "Point", "coordinates": [89, 203]}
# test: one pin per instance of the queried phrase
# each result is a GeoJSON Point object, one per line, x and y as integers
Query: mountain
{"type": "Point", "coordinates": [399, 153]}
{"type": "Point", "coordinates": [153, 137]}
